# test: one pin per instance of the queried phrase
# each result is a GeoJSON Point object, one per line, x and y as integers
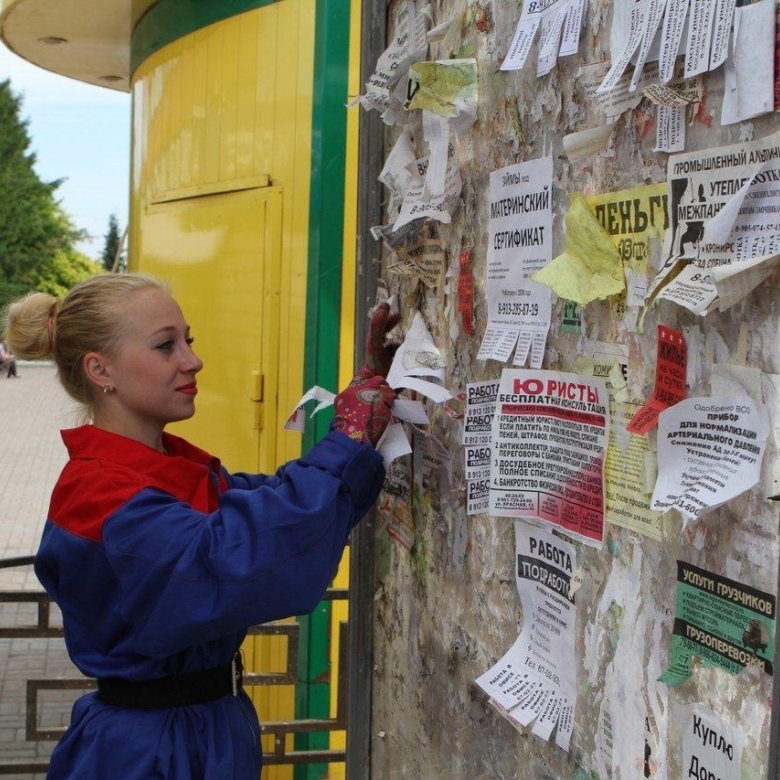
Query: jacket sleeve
{"type": "Point", "coordinates": [269, 552]}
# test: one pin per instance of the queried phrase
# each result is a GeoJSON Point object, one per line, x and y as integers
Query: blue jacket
{"type": "Point", "coordinates": [160, 562]}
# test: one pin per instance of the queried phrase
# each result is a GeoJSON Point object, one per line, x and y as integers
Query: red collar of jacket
{"type": "Point", "coordinates": [183, 470]}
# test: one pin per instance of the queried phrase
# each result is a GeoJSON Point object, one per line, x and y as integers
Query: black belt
{"type": "Point", "coordinates": [179, 690]}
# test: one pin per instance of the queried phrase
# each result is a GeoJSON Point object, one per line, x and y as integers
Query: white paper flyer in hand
{"type": "Point", "coordinates": [418, 357]}
{"type": "Point", "coordinates": [520, 242]}
{"type": "Point", "coordinates": [560, 22]}
{"type": "Point", "coordinates": [297, 420]}
{"type": "Point", "coordinates": [709, 451]}
{"type": "Point", "coordinates": [548, 442]}
{"type": "Point", "coordinates": [534, 684]}
{"type": "Point", "coordinates": [724, 213]}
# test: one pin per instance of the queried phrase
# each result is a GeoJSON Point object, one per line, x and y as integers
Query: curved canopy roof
{"type": "Point", "coordinates": [88, 40]}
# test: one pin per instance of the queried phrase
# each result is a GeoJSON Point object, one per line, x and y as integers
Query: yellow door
{"type": "Point", "coordinates": [221, 254]}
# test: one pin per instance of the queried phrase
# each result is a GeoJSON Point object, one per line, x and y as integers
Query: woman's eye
{"type": "Point", "coordinates": [190, 340]}
{"type": "Point", "coordinates": [166, 345]}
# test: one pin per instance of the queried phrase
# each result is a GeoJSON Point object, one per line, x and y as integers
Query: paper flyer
{"type": "Point", "coordinates": [548, 442]}
{"type": "Point", "coordinates": [627, 501]}
{"type": "Point", "coordinates": [633, 219]}
{"type": "Point", "coordinates": [534, 684]}
{"type": "Point", "coordinates": [590, 267]}
{"type": "Point", "coordinates": [478, 419]}
{"type": "Point", "coordinates": [409, 45]}
{"type": "Point", "coordinates": [395, 503]}
{"type": "Point", "coordinates": [709, 451]}
{"type": "Point", "coordinates": [519, 243]}
{"type": "Point", "coordinates": [710, 747]}
{"type": "Point", "coordinates": [560, 22]}
{"type": "Point", "coordinates": [638, 24]}
{"type": "Point", "coordinates": [418, 357]}
{"type": "Point", "coordinates": [742, 181]}
{"type": "Point", "coordinates": [726, 623]}
{"type": "Point", "coordinates": [421, 254]}
{"type": "Point", "coordinates": [670, 379]}
{"type": "Point", "coordinates": [418, 203]}
{"type": "Point", "coordinates": [749, 73]}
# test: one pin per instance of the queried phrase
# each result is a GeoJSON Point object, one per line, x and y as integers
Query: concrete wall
{"type": "Point", "coordinates": [446, 605]}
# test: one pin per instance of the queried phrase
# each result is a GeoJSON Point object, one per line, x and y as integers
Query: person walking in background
{"type": "Point", "coordinates": [7, 361]}
{"type": "Point", "coordinates": [159, 558]}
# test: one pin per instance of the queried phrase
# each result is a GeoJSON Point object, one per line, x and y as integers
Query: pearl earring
{"type": "Point", "coordinates": [108, 389]}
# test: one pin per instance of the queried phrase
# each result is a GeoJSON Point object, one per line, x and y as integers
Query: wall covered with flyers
{"type": "Point", "coordinates": [575, 556]}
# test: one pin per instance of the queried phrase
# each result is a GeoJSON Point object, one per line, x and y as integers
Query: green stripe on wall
{"type": "Point", "coordinates": [169, 20]}
{"type": "Point", "coordinates": [323, 307]}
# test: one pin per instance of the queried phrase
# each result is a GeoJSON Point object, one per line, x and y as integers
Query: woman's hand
{"type": "Point", "coordinates": [363, 408]}
{"type": "Point", "coordinates": [379, 354]}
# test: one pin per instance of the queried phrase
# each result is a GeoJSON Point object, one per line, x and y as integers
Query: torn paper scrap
{"type": "Point", "coordinates": [395, 174]}
{"type": "Point", "coordinates": [560, 21]}
{"type": "Point", "coordinates": [634, 219]}
{"type": "Point", "coordinates": [670, 129]}
{"type": "Point", "coordinates": [734, 282]}
{"type": "Point", "coordinates": [296, 421]}
{"type": "Point", "coordinates": [670, 379]}
{"type": "Point", "coordinates": [655, 13]}
{"type": "Point", "coordinates": [701, 184]}
{"type": "Point", "coordinates": [630, 22]}
{"type": "Point", "coordinates": [407, 410]}
{"type": "Point", "coordinates": [534, 684]}
{"type": "Point", "coordinates": [590, 268]}
{"type": "Point", "coordinates": [393, 444]}
{"type": "Point", "coordinates": [671, 37]}
{"type": "Point", "coordinates": [419, 203]}
{"type": "Point", "coordinates": [613, 102]}
{"type": "Point", "coordinates": [519, 243]}
{"type": "Point", "coordinates": [678, 94]}
{"type": "Point", "coordinates": [697, 48]}
{"type": "Point", "coordinates": [418, 356]}
{"type": "Point", "coordinates": [728, 624]}
{"type": "Point", "coordinates": [709, 451]}
{"type": "Point", "coordinates": [635, 32]}
{"type": "Point", "coordinates": [444, 87]}
{"type": "Point", "coordinates": [548, 442]}
{"type": "Point", "coordinates": [409, 45]}
{"type": "Point", "coordinates": [584, 144]}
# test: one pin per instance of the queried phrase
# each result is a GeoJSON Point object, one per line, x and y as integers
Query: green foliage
{"type": "Point", "coordinates": [34, 230]}
{"type": "Point", "coordinates": [64, 269]}
{"type": "Point", "coordinates": [111, 243]}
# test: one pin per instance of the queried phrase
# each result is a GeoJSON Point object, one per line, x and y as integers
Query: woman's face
{"type": "Point", "coordinates": [154, 371]}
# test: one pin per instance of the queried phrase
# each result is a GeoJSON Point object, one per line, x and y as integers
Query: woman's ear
{"type": "Point", "coordinates": [95, 370]}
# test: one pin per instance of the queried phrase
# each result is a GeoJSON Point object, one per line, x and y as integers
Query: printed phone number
{"type": "Point", "coordinates": [518, 308]}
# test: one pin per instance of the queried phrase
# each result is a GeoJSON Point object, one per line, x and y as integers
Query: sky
{"type": "Point", "coordinates": [81, 133]}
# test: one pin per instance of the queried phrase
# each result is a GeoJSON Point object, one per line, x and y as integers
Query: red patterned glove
{"type": "Point", "coordinates": [363, 408]}
{"type": "Point", "coordinates": [379, 355]}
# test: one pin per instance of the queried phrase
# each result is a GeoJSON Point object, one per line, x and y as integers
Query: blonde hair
{"type": "Point", "coordinates": [89, 319]}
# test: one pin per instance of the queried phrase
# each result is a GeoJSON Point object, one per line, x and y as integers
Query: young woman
{"type": "Point", "coordinates": [158, 557]}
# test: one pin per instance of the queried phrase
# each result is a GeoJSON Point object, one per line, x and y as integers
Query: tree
{"type": "Point", "coordinates": [111, 242]}
{"type": "Point", "coordinates": [62, 270]}
{"type": "Point", "coordinates": [33, 226]}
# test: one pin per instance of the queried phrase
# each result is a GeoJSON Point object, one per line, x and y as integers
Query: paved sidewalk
{"type": "Point", "coordinates": [34, 409]}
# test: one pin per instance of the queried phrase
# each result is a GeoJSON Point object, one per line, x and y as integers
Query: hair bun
{"type": "Point", "coordinates": [30, 325]}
